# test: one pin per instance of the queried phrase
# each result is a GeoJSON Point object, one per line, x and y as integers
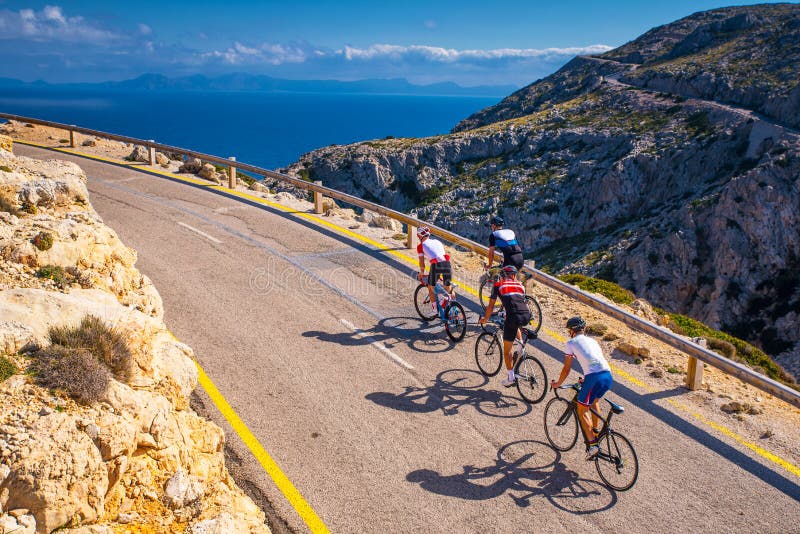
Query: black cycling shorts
{"type": "Point", "coordinates": [517, 260]}
{"type": "Point", "coordinates": [513, 323]}
{"type": "Point", "coordinates": [441, 268]}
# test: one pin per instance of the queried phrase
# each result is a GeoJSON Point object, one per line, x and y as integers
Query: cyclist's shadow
{"type": "Point", "coordinates": [524, 469]}
{"type": "Point", "coordinates": [452, 390]}
{"type": "Point", "coordinates": [412, 332]}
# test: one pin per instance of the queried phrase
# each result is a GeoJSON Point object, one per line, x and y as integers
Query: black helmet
{"type": "Point", "coordinates": [497, 221]}
{"type": "Point", "coordinates": [508, 270]}
{"type": "Point", "coordinates": [576, 323]}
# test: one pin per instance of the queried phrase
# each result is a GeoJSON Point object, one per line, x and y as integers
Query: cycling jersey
{"type": "Point", "coordinates": [506, 242]}
{"type": "Point", "coordinates": [512, 295]}
{"type": "Point", "coordinates": [432, 250]}
{"type": "Point", "coordinates": [588, 353]}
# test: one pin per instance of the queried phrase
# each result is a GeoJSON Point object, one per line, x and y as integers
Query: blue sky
{"type": "Point", "coordinates": [468, 42]}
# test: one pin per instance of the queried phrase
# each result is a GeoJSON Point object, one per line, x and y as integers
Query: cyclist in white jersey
{"type": "Point", "coordinates": [433, 250]}
{"type": "Point", "coordinates": [597, 378]}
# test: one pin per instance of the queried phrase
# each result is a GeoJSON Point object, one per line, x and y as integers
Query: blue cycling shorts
{"type": "Point", "coordinates": [594, 387]}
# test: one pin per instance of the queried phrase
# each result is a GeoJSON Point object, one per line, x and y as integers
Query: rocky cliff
{"type": "Point", "coordinates": [86, 444]}
{"type": "Point", "coordinates": [667, 165]}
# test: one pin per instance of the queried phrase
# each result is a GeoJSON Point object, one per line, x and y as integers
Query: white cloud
{"type": "Point", "coordinates": [451, 55]}
{"type": "Point", "coordinates": [144, 29]}
{"type": "Point", "coordinates": [267, 53]}
{"type": "Point", "coordinates": [50, 24]}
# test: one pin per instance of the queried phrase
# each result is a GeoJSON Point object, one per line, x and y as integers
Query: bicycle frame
{"type": "Point", "coordinates": [573, 409]}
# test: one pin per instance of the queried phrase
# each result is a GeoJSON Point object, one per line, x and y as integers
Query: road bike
{"type": "Point", "coordinates": [485, 291]}
{"type": "Point", "coordinates": [447, 309]}
{"type": "Point", "coordinates": [528, 370]}
{"type": "Point", "coordinates": [616, 463]}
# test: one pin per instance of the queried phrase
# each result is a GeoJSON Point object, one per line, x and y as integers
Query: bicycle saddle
{"type": "Point", "coordinates": [530, 334]}
{"type": "Point", "coordinates": [616, 408]}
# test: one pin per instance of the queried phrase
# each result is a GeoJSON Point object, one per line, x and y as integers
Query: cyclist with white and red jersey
{"type": "Point", "coordinates": [597, 379]}
{"type": "Point", "coordinates": [433, 250]}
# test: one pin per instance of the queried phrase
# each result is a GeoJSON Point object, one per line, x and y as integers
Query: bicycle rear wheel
{"type": "Point", "coordinates": [531, 379]}
{"type": "Point", "coordinates": [617, 463]}
{"type": "Point", "coordinates": [488, 353]}
{"type": "Point", "coordinates": [455, 323]}
{"type": "Point", "coordinates": [560, 424]}
{"type": "Point", "coordinates": [535, 323]}
{"type": "Point", "coordinates": [485, 292]}
{"type": "Point", "coordinates": [422, 302]}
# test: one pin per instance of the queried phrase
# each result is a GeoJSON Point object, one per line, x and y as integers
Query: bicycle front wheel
{"type": "Point", "coordinates": [422, 302]}
{"type": "Point", "coordinates": [560, 424]}
{"type": "Point", "coordinates": [455, 323]}
{"type": "Point", "coordinates": [531, 379]}
{"type": "Point", "coordinates": [485, 292]}
{"type": "Point", "coordinates": [616, 462]}
{"type": "Point", "coordinates": [488, 353]}
{"type": "Point", "coordinates": [535, 323]}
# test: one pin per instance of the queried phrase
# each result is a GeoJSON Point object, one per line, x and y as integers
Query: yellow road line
{"type": "Point", "coordinates": [380, 246]}
{"type": "Point", "coordinates": [294, 497]}
{"type": "Point", "coordinates": [716, 426]}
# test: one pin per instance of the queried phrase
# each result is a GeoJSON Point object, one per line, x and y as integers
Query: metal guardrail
{"type": "Point", "coordinates": [695, 352]}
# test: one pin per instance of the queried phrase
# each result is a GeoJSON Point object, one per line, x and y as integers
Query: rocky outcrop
{"type": "Point", "coordinates": [692, 204]}
{"type": "Point", "coordinates": [138, 459]}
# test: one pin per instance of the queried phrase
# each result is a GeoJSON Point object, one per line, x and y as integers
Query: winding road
{"type": "Point", "coordinates": [380, 422]}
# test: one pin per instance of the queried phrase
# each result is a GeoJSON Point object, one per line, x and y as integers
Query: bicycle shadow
{"type": "Point", "coordinates": [451, 391]}
{"type": "Point", "coordinates": [413, 332]}
{"type": "Point", "coordinates": [524, 470]}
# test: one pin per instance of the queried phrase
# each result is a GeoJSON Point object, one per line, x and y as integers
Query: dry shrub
{"type": "Point", "coordinates": [596, 329]}
{"type": "Point", "coordinates": [722, 347]}
{"type": "Point", "coordinates": [106, 344]}
{"type": "Point", "coordinates": [74, 371]}
{"type": "Point", "coordinates": [43, 241]}
{"type": "Point", "coordinates": [7, 203]}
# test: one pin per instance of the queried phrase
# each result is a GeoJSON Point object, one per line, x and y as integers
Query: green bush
{"type": "Point", "coordinates": [5, 168]}
{"type": "Point", "coordinates": [743, 350]}
{"type": "Point", "coordinates": [7, 368]}
{"type": "Point", "coordinates": [56, 273]}
{"type": "Point", "coordinates": [30, 208]}
{"type": "Point", "coordinates": [610, 290]}
{"type": "Point", "coordinates": [43, 241]}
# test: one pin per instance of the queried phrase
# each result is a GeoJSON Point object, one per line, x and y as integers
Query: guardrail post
{"type": "Point", "coordinates": [71, 137]}
{"type": "Point", "coordinates": [694, 369]}
{"type": "Point", "coordinates": [151, 153]}
{"type": "Point", "coordinates": [411, 237]}
{"type": "Point", "coordinates": [318, 199]}
{"type": "Point", "coordinates": [232, 174]}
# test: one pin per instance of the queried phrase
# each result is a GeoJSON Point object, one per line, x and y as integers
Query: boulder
{"type": "Point", "coordinates": [260, 187]}
{"type": "Point", "coordinates": [182, 490]}
{"type": "Point", "coordinates": [191, 166]}
{"type": "Point", "coordinates": [139, 153]}
{"type": "Point", "coordinates": [89, 141]}
{"type": "Point", "coordinates": [387, 223]}
{"type": "Point", "coordinates": [162, 160]}
{"type": "Point", "coordinates": [208, 172]}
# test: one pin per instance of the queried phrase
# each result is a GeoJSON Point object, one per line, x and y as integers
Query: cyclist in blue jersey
{"type": "Point", "coordinates": [597, 378]}
{"type": "Point", "coordinates": [504, 240]}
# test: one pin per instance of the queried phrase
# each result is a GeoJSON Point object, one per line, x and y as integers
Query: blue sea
{"type": "Point", "coordinates": [270, 130]}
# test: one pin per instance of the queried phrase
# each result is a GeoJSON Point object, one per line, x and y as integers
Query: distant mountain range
{"type": "Point", "coordinates": [258, 83]}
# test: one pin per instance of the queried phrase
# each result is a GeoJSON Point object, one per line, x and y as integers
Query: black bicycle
{"type": "Point", "coordinates": [529, 371]}
{"type": "Point", "coordinates": [451, 312]}
{"type": "Point", "coordinates": [485, 291]}
{"type": "Point", "coordinates": [616, 462]}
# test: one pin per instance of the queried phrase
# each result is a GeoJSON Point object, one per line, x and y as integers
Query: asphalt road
{"type": "Point", "coordinates": [269, 302]}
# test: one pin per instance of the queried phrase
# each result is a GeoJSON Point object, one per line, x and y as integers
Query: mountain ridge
{"type": "Point", "coordinates": [681, 186]}
{"type": "Point", "coordinates": [261, 83]}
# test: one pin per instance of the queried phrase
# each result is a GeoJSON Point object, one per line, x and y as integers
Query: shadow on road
{"type": "Point", "coordinates": [451, 391]}
{"type": "Point", "coordinates": [646, 402]}
{"type": "Point", "coordinates": [524, 470]}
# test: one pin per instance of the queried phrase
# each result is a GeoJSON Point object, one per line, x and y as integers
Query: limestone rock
{"type": "Point", "coordinates": [6, 143]}
{"type": "Point", "coordinates": [387, 223]}
{"type": "Point", "coordinates": [191, 166]}
{"type": "Point", "coordinates": [208, 172]}
{"type": "Point", "coordinates": [61, 477]}
{"type": "Point", "coordinates": [259, 186]}
{"type": "Point", "coordinates": [90, 141]}
{"type": "Point", "coordinates": [16, 337]}
{"type": "Point", "coordinates": [139, 153]}
{"type": "Point", "coordinates": [161, 159]}
{"type": "Point", "coordinates": [181, 490]}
